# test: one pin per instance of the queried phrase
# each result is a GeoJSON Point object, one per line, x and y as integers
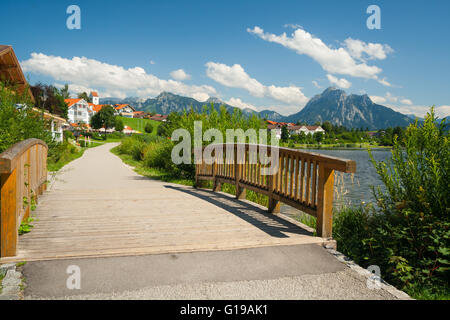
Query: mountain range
{"type": "Point", "coordinates": [334, 105]}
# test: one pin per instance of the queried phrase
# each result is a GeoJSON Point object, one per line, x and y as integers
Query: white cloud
{"type": "Point", "coordinates": [443, 111]}
{"type": "Point", "coordinates": [236, 77]}
{"type": "Point", "coordinates": [421, 111]}
{"type": "Point", "coordinates": [341, 83]}
{"type": "Point", "coordinates": [236, 102]}
{"type": "Point", "coordinates": [293, 26]}
{"type": "Point", "coordinates": [180, 75]}
{"type": "Point", "coordinates": [406, 106]}
{"type": "Point", "coordinates": [367, 51]}
{"type": "Point", "coordinates": [152, 62]}
{"type": "Point", "coordinates": [390, 98]}
{"type": "Point", "coordinates": [316, 84]}
{"type": "Point", "coordinates": [384, 82]}
{"type": "Point", "coordinates": [378, 99]}
{"type": "Point", "coordinates": [406, 101]}
{"type": "Point", "coordinates": [284, 110]}
{"type": "Point", "coordinates": [115, 80]}
{"type": "Point", "coordinates": [334, 61]}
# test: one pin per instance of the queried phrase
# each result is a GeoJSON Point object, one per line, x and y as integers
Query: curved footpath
{"type": "Point", "coordinates": [135, 238]}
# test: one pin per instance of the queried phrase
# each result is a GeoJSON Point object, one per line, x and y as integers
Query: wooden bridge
{"type": "Point", "coordinates": [98, 206]}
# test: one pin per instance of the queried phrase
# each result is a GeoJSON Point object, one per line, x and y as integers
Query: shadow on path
{"type": "Point", "coordinates": [269, 223]}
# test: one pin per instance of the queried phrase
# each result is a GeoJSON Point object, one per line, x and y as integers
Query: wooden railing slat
{"type": "Point", "coordinates": [308, 183]}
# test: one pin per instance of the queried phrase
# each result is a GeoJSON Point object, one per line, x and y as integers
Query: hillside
{"type": "Point", "coordinates": [334, 105]}
{"type": "Point", "coordinates": [352, 111]}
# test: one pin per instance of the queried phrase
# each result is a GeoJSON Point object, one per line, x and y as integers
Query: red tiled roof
{"type": "Point", "coordinates": [158, 117]}
{"type": "Point", "coordinates": [96, 107]}
{"type": "Point", "coordinates": [94, 94]}
{"type": "Point", "coordinates": [71, 102]}
{"type": "Point", "coordinates": [121, 106]}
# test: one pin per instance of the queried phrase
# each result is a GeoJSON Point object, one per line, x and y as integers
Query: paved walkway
{"type": "Point", "coordinates": [137, 238]}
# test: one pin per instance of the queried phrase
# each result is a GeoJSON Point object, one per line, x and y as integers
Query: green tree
{"type": "Point", "coordinates": [302, 137]}
{"type": "Point", "coordinates": [327, 126]}
{"type": "Point", "coordinates": [284, 133]}
{"type": "Point", "coordinates": [17, 124]}
{"type": "Point", "coordinates": [318, 136]}
{"type": "Point", "coordinates": [84, 96]}
{"type": "Point", "coordinates": [148, 127]}
{"type": "Point", "coordinates": [119, 125]}
{"type": "Point", "coordinates": [407, 233]}
{"type": "Point", "coordinates": [64, 91]}
{"type": "Point", "coordinates": [50, 98]}
{"type": "Point", "coordinates": [105, 118]}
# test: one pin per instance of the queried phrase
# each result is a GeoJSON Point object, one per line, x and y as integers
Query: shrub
{"type": "Point", "coordinates": [17, 124]}
{"type": "Point", "coordinates": [118, 125]}
{"type": "Point", "coordinates": [68, 135]}
{"type": "Point", "coordinates": [407, 234]}
{"type": "Point", "coordinates": [158, 155]}
{"type": "Point", "coordinates": [116, 135]}
{"type": "Point", "coordinates": [148, 127]}
{"type": "Point", "coordinates": [96, 136]}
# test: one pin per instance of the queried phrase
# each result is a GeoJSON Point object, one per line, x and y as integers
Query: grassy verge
{"type": "Point", "coordinates": [2, 276]}
{"type": "Point", "coordinates": [139, 124]}
{"type": "Point", "coordinates": [66, 156]}
{"type": "Point", "coordinates": [153, 173]}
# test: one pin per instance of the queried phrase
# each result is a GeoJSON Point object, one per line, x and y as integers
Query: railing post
{"type": "Point", "coordinates": [325, 202]}
{"type": "Point", "coordinates": [8, 216]}
{"type": "Point", "coordinates": [240, 192]}
{"type": "Point", "coordinates": [216, 184]}
{"type": "Point", "coordinates": [274, 205]}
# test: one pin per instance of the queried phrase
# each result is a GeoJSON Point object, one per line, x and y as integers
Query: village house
{"type": "Point", "coordinates": [79, 110]}
{"type": "Point", "coordinates": [305, 129]}
{"type": "Point", "coordinates": [276, 127]}
{"type": "Point", "coordinates": [159, 117]}
{"type": "Point", "coordinates": [139, 114]}
{"type": "Point", "coordinates": [124, 110]}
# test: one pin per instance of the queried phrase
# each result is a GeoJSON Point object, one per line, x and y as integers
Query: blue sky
{"type": "Point", "coordinates": [236, 50]}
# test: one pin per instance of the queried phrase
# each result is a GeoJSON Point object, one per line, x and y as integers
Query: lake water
{"type": "Point", "coordinates": [353, 189]}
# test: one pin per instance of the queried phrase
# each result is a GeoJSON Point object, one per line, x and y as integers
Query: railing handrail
{"type": "Point", "coordinates": [301, 179]}
{"type": "Point", "coordinates": [8, 158]}
{"type": "Point", "coordinates": [23, 176]}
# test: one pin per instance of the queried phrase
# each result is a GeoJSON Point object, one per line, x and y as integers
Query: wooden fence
{"type": "Point", "coordinates": [300, 179]}
{"type": "Point", "coordinates": [23, 172]}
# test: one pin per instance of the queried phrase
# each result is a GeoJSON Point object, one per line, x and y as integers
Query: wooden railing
{"type": "Point", "coordinates": [300, 179]}
{"type": "Point", "coordinates": [23, 172]}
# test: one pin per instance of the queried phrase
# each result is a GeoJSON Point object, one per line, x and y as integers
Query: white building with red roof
{"type": "Point", "coordinates": [95, 98]}
{"type": "Point", "coordinates": [81, 111]}
{"type": "Point", "coordinates": [124, 110]}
